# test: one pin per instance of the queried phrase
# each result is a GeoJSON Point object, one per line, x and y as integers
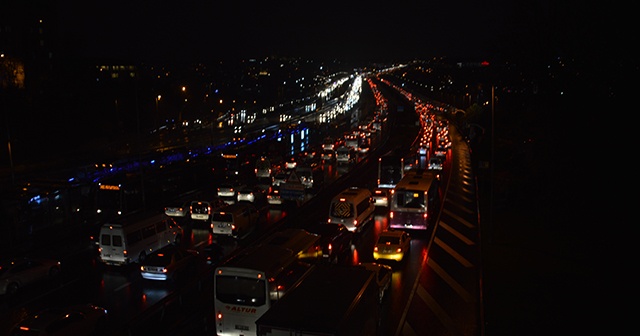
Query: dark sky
{"type": "Point", "coordinates": [201, 30]}
{"type": "Point", "coordinates": [217, 29]}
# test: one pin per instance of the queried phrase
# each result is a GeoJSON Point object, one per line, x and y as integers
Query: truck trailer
{"type": "Point", "coordinates": [331, 300]}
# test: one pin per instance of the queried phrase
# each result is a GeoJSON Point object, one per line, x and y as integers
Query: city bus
{"type": "Point", "coordinates": [414, 200]}
{"type": "Point", "coordinates": [249, 283]}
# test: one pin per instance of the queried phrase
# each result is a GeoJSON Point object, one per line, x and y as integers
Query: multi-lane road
{"type": "Point", "coordinates": [435, 291]}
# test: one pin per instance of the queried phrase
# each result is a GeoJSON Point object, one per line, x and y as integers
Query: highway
{"type": "Point", "coordinates": [436, 291]}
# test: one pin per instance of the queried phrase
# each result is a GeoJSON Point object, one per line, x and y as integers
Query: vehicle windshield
{"type": "Point", "coordinates": [389, 240]}
{"type": "Point", "coordinates": [240, 290]}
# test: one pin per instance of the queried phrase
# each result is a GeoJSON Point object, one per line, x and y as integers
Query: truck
{"type": "Point", "coordinates": [329, 300]}
{"type": "Point", "coordinates": [390, 170]}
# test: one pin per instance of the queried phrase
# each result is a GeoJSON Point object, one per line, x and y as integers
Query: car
{"type": "Point", "coordinates": [392, 245]}
{"type": "Point", "coordinates": [335, 239]}
{"type": "Point", "coordinates": [435, 163]}
{"type": "Point", "coordinates": [441, 152]}
{"type": "Point", "coordinates": [228, 192]}
{"type": "Point", "coordinates": [291, 164]}
{"type": "Point", "coordinates": [212, 253]}
{"type": "Point", "coordinates": [273, 197]}
{"type": "Point", "coordinates": [381, 197]}
{"type": "Point", "coordinates": [383, 276]}
{"type": "Point", "coordinates": [201, 210]}
{"type": "Point", "coordinates": [168, 263]}
{"type": "Point", "coordinates": [77, 320]}
{"type": "Point", "coordinates": [20, 272]}
{"type": "Point", "coordinates": [280, 177]}
{"type": "Point", "coordinates": [178, 210]}
{"type": "Point", "coordinates": [246, 194]}
{"type": "Point", "coordinates": [343, 154]}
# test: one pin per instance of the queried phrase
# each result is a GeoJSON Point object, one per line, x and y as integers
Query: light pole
{"type": "Point", "coordinates": [158, 97]}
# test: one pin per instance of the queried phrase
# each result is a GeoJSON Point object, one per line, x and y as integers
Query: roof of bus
{"type": "Point", "coordinates": [270, 259]}
{"type": "Point", "coordinates": [417, 179]}
{"type": "Point", "coordinates": [295, 239]}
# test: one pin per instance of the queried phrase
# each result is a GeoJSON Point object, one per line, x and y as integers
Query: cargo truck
{"type": "Point", "coordinates": [331, 300]}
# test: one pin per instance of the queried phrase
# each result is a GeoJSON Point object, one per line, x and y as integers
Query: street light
{"type": "Point", "coordinates": [157, 111]}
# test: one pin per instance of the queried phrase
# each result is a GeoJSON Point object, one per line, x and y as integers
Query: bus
{"type": "Point", "coordinates": [129, 239]}
{"type": "Point", "coordinates": [118, 195]}
{"type": "Point", "coordinates": [414, 200]}
{"type": "Point", "coordinates": [250, 282]}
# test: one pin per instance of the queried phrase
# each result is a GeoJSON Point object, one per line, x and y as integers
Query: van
{"type": "Point", "coordinates": [235, 220]}
{"type": "Point", "coordinates": [353, 208]}
{"type": "Point", "coordinates": [263, 167]}
{"type": "Point", "coordinates": [131, 238]}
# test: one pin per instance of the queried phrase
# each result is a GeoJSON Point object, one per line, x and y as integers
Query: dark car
{"type": "Point", "coordinates": [76, 320]}
{"type": "Point", "coordinates": [21, 272]}
{"type": "Point", "coordinates": [168, 263]}
{"type": "Point", "coordinates": [335, 239]}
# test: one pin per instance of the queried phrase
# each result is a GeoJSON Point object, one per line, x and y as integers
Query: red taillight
{"type": "Point", "coordinates": [375, 248]}
{"type": "Point", "coordinates": [219, 316]}
{"type": "Point", "coordinates": [399, 249]}
{"type": "Point", "coordinates": [330, 247]}
{"type": "Point", "coordinates": [390, 214]}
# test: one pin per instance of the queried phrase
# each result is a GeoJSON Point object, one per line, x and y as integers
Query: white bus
{"type": "Point", "coordinates": [414, 200]}
{"type": "Point", "coordinates": [249, 283]}
{"type": "Point", "coordinates": [130, 239]}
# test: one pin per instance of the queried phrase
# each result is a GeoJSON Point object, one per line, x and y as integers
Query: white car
{"type": "Point", "coordinates": [177, 210]}
{"type": "Point", "coordinates": [381, 197]}
{"type": "Point", "coordinates": [435, 163]}
{"type": "Point", "coordinates": [246, 194]}
{"type": "Point", "coordinates": [228, 192]}
{"type": "Point", "coordinates": [279, 178]}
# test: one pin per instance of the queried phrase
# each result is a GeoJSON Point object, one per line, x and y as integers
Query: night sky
{"type": "Point", "coordinates": [382, 30]}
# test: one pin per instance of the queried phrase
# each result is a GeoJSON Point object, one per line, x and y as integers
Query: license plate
{"type": "Point", "coordinates": [241, 327]}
